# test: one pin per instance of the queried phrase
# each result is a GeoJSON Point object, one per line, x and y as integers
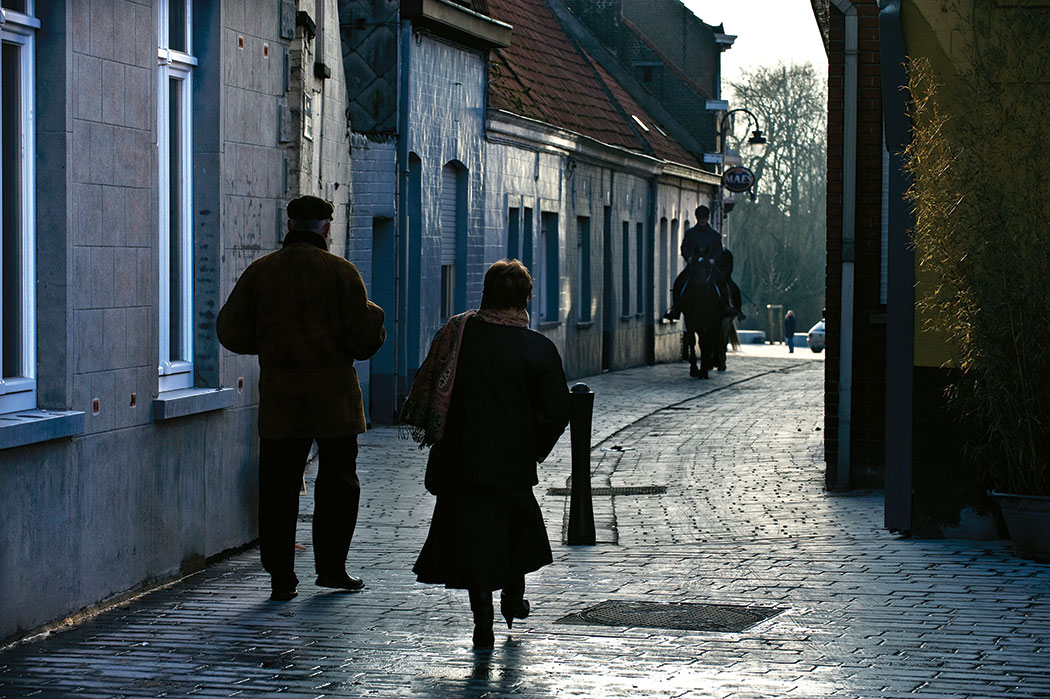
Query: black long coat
{"type": "Point", "coordinates": [509, 406]}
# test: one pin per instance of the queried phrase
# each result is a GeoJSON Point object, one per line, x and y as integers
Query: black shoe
{"type": "Point", "coordinates": [483, 638]}
{"type": "Point", "coordinates": [740, 315]}
{"type": "Point", "coordinates": [283, 594]}
{"type": "Point", "coordinates": [511, 610]}
{"type": "Point", "coordinates": [341, 582]}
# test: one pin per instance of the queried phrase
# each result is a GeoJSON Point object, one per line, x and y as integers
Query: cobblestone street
{"type": "Point", "coordinates": [743, 520]}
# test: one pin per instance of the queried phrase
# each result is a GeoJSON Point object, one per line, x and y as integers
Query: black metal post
{"type": "Point", "coordinates": [581, 511]}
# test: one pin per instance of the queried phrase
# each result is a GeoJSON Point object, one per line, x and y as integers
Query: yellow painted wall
{"type": "Point", "coordinates": [938, 31]}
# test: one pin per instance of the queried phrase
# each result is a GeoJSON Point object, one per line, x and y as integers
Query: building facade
{"type": "Point", "coordinates": [494, 135]}
{"type": "Point", "coordinates": [886, 416]}
{"type": "Point", "coordinates": [148, 151]}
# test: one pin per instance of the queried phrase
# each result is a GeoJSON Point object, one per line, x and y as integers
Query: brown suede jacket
{"type": "Point", "coordinates": [306, 313]}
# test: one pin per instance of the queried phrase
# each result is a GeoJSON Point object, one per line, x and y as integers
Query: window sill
{"type": "Point", "coordinates": [547, 324]}
{"type": "Point", "coordinates": [625, 319]}
{"type": "Point", "coordinates": [34, 426]}
{"type": "Point", "coordinates": [584, 324]}
{"type": "Point", "coordinates": [191, 401]}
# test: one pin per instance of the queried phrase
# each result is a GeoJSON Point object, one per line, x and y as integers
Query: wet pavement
{"type": "Point", "coordinates": [742, 521]}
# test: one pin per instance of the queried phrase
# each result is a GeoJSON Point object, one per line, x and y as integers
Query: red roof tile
{"type": "Point", "coordinates": [546, 76]}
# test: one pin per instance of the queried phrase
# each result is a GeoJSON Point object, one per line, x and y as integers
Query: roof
{"type": "Point", "coordinates": [546, 76]}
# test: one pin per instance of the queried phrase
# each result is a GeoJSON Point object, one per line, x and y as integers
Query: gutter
{"type": "Point", "coordinates": [524, 132]}
{"type": "Point", "coordinates": [849, 244]}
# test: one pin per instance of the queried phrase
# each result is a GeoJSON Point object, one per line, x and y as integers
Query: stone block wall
{"type": "Point", "coordinates": [134, 499]}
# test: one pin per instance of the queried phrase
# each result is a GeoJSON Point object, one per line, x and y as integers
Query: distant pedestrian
{"type": "Point", "coordinates": [490, 401]}
{"type": "Point", "coordinates": [789, 330]}
{"type": "Point", "coordinates": [306, 313]}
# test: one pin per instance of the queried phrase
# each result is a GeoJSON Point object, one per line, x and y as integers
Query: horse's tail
{"type": "Point", "coordinates": [734, 339]}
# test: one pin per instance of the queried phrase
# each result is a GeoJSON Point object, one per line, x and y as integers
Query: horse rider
{"type": "Point", "coordinates": [702, 242]}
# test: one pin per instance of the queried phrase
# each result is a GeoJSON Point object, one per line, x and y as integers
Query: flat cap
{"type": "Point", "coordinates": [310, 208]}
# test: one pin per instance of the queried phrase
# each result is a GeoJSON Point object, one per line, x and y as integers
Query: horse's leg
{"type": "Point", "coordinates": [724, 337]}
{"type": "Point", "coordinates": [709, 348]}
{"type": "Point", "coordinates": [693, 370]}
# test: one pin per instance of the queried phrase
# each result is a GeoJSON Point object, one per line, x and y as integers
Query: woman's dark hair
{"type": "Point", "coordinates": [508, 284]}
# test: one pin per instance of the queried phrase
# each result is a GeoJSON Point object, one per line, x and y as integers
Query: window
{"type": "Point", "coordinates": [672, 260]}
{"type": "Point", "coordinates": [526, 239]}
{"type": "Point", "coordinates": [453, 238]}
{"type": "Point", "coordinates": [663, 268]}
{"type": "Point", "coordinates": [583, 269]}
{"type": "Point", "coordinates": [448, 289]}
{"type": "Point", "coordinates": [625, 270]}
{"type": "Point", "coordinates": [549, 267]}
{"type": "Point", "coordinates": [17, 213]}
{"type": "Point", "coordinates": [175, 215]}
{"type": "Point", "coordinates": [639, 267]}
{"type": "Point", "coordinates": [513, 233]}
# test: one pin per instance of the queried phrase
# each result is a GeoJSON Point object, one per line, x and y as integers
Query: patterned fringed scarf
{"type": "Point", "coordinates": [425, 410]}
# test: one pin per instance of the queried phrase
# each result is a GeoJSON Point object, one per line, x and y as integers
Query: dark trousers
{"type": "Point", "coordinates": [337, 493]}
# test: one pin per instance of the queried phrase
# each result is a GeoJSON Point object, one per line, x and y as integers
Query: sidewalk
{"type": "Point", "coordinates": [743, 521]}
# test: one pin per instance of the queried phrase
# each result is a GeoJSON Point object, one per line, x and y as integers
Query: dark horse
{"type": "Point", "coordinates": [702, 310]}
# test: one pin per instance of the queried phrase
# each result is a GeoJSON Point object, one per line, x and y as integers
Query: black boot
{"type": "Point", "coordinates": [481, 606]}
{"type": "Point", "coordinates": [512, 602]}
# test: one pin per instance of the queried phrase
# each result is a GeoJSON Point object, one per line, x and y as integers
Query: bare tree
{"type": "Point", "coordinates": [778, 236]}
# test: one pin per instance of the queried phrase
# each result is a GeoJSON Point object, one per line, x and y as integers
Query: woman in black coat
{"type": "Point", "coordinates": [491, 400]}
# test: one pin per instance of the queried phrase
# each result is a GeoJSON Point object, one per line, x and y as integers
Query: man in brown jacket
{"type": "Point", "coordinates": [306, 313]}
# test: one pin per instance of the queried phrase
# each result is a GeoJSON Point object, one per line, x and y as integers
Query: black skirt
{"type": "Point", "coordinates": [483, 539]}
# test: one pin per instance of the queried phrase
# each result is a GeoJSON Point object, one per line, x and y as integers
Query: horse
{"type": "Point", "coordinates": [702, 309]}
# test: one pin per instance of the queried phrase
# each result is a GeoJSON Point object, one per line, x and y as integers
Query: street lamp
{"type": "Point", "coordinates": [757, 142]}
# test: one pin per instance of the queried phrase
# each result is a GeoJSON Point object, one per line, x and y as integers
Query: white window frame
{"type": "Point", "coordinates": [174, 372]}
{"type": "Point", "coordinates": [19, 392]}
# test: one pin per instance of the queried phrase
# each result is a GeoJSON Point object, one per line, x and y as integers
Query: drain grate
{"type": "Point", "coordinates": [685, 616]}
{"type": "Point", "coordinates": [627, 490]}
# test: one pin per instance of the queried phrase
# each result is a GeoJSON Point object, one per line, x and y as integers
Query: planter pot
{"type": "Point", "coordinates": [1028, 519]}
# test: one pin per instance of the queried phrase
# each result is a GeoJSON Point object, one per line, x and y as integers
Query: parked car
{"type": "Point", "coordinates": [815, 338]}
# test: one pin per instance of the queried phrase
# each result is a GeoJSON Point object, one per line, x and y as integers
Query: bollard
{"type": "Point", "coordinates": [581, 511]}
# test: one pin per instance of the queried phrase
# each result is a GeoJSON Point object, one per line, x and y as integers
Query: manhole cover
{"type": "Point", "coordinates": [685, 616]}
{"type": "Point", "coordinates": [627, 490]}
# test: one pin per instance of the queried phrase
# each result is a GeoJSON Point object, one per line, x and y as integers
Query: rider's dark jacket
{"type": "Point", "coordinates": [702, 242]}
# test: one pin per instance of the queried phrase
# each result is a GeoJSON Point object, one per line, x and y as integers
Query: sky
{"type": "Point", "coordinates": [767, 31]}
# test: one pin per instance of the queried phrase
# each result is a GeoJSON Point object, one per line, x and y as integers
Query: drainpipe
{"type": "Point", "coordinates": [849, 237]}
{"type": "Point", "coordinates": [401, 232]}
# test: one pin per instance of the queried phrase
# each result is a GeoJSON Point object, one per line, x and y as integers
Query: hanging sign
{"type": "Point", "coordinates": [738, 179]}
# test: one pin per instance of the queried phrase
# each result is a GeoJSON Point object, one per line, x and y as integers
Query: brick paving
{"type": "Point", "coordinates": [744, 521]}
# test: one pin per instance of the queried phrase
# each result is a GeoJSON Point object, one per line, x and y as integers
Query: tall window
{"type": "Point", "coordinates": [175, 213]}
{"type": "Point", "coordinates": [672, 260]}
{"type": "Point", "coordinates": [17, 214]}
{"type": "Point", "coordinates": [513, 233]}
{"type": "Point", "coordinates": [549, 267]}
{"type": "Point", "coordinates": [526, 239]}
{"type": "Point", "coordinates": [639, 267]}
{"type": "Point", "coordinates": [663, 267]}
{"type": "Point", "coordinates": [625, 270]}
{"type": "Point", "coordinates": [453, 238]}
{"type": "Point", "coordinates": [583, 269]}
